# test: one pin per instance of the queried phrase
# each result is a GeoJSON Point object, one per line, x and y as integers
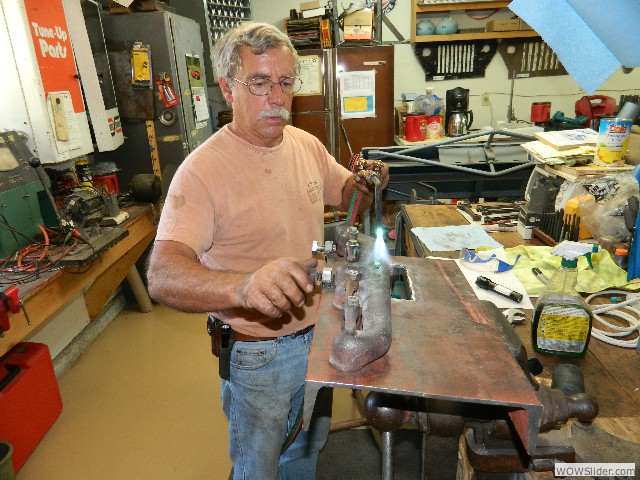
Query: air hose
{"type": "Point", "coordinates": [621, 310]}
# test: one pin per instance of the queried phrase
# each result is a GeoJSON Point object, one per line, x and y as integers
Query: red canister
{"type": "Point", "coordinates": [416, 128]}
{"type": "Point", "coordinates": [540, 112]}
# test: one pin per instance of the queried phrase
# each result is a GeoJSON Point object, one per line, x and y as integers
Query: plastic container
{"type": "Point", "coordinates": [561, 323]}
{"type": "Point", "coordinates": [109, 182]}
{"type": "Point", "coordinates": [621, 257]}
{"type": "Point", "coordinates": [416, 128]}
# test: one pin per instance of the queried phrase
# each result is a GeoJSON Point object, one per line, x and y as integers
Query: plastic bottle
{"type": "Point", "coordinates": [561, 322]}
{"type": "Point", "coordinates": [621, 257]}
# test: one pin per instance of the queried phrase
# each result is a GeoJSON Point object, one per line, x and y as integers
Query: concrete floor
{"type": "Point", "coordinates": [142, 402]}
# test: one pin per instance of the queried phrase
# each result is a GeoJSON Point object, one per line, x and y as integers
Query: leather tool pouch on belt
{"type": "Point", "coordinates": [221, 344]}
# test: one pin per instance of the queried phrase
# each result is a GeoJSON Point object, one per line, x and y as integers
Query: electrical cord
{"type": "Point", "coordinates": [38, 258]}
{"type": "Point", "coordinates": [483, 18]}
{"type": "Point", "coordinates": [622, 310]}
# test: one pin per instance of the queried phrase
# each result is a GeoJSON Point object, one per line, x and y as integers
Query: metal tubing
{"type": "Point", "coordinates": [139, 290]}
{"type": "Point", "coordinates": [452, 167]}
{"type": "Point", "coordinates": [469, 136]}
{"type": "Point", "coordinates": [351, 315]}
{"type": "Point", "coordinates": [387, 456]}
{"type": "Point", "coordinates": [378, 201]}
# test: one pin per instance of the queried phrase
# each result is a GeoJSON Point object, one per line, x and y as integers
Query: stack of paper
{"type": "Point", "coordinates": [569, 153]}
{"type": "Point", "coordinates": [571, 163]}
{"type": "Point", "coordinates": [546, 153]}
{"type": "Point", "coordinates": [563, 146]}
{"type": "Point", "coordinates": [568, 139]}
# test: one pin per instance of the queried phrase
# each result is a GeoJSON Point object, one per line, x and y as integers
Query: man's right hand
{"type": "Point", "coordinates": [277, 287]}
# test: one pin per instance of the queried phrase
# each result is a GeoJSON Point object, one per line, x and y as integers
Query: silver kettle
{"type": "Point", "coordinates": [459, 123]}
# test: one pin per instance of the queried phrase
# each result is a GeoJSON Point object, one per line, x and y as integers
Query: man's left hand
{"type": "Point", "coordinates": [364, 185]}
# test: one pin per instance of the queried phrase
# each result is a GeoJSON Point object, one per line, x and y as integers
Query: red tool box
{"type": "Point", "coordinates": [30, 400]}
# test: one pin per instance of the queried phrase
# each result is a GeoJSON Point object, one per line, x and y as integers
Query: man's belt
{"type": "Point", "coordinates": [241, 337]}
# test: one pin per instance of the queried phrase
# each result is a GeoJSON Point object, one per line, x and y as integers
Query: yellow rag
{"type": "Point", "coordinates": [605, 273]}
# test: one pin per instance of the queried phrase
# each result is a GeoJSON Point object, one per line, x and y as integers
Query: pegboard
{"type": "Point", "coordinates": [530, 58]}
{"type": "Point", "coordinates": [455, 60]}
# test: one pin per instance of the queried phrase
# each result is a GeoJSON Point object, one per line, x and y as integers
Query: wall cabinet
{"type": "Point", "coordinates": [419, 10]}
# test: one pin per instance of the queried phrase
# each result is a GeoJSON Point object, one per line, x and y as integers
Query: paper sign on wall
{"type": "Point", "coordinates": [198, 91]}
{"type": "Point", "coordinates": [52, 45]}
{"type": "Point", "coordinates": [357, 94]}
{"type": "Point", "coordinates": [311, 75]}
{"type": "Point", "coordinates": [65, 123]}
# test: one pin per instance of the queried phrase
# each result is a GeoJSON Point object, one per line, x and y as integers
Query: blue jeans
{"type": "Point", "coordinates": [262, 400]}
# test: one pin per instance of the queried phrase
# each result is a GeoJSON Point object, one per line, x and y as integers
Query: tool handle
{"type": "Point", "coordinates": [568, 378]}
{"type": "Point", "coordinates": [13, 370]}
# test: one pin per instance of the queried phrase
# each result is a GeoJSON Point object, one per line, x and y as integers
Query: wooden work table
{"type": "Point", "coordinates": [47, 296]}
{"type": "Point", "coordinates": [612, 374]}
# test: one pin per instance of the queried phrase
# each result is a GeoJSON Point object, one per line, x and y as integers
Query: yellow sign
{"type": "Point", "coordinates": [356, 104]}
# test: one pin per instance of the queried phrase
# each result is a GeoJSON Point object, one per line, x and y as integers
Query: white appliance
{"type": "Point", "coordinates": [41, 94]}
{"type": "Point", "coordinates": [90, 51]}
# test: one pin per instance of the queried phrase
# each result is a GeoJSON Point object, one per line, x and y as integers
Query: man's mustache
{"type": "Point", "coordinates": [280, 112]}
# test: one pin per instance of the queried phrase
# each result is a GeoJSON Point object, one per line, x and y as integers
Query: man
{"type": "Point", "coordinates": [234, 240]}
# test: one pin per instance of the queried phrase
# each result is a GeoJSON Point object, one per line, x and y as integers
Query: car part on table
{"type": "Point", "coordinates": [446, 347]}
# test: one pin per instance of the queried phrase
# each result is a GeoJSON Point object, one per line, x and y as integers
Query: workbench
{"type": "Point", "coordinates": [612, 374]}
{"type": "Point", "coordinates": [52, 292]}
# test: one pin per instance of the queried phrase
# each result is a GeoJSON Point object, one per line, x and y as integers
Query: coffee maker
{"type": "Point", "coordinates": [458, 118]}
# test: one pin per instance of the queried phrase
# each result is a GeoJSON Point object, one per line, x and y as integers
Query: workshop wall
{"type": "Point", "coordinates": [562, 91]}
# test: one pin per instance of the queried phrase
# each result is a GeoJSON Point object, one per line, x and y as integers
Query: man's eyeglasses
{"type": "Point", "coordinates": [263, 86]}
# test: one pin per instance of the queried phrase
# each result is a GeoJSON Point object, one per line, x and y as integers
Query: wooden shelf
{"type": "Point", "coordinates": [461, 6]}
{"type": "Point", "coordinates": [475, 36]}
{"type": "Point", "coordinates": [448, 7]}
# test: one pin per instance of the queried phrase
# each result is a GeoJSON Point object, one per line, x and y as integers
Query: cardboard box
{"type": "Point", "coordinates": [524, 25]}
{"type": "Point", "coordinates": [310, 5]}
{"type": "Point", "coordinates": [633, 152]}
{"type": "Point", "coordinates": [139, 6]}
{"type": "Point", "coordinates": [400, 114]}
{"type": "Point", "coordinates": [359, 25]}
{"type": "Point", "coordinates": [503, 25]}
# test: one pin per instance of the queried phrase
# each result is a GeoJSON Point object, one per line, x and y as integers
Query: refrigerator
{"type": "Point", "coordinates": [352, 106]}
{"type": "Point", "coordinates": [159, 77]}
{"type": "Point", "coordinates": [313, 106]}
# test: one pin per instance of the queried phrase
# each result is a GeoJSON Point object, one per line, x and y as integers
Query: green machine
{"type": "Point", "coordinates": [23, 198]}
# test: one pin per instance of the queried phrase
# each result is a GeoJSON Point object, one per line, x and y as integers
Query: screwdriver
{"type": "Point", "coordinates": [488, 284]}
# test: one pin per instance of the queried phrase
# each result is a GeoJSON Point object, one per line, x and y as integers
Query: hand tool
{"type": "Point", "coordinates": [10, 302]}
{"type": "Point", "coordinates": [463, 207]}
{"type": "Point", "coordinates": [488, 284]}
{"type": "Point", "coordinates": [541, 276]}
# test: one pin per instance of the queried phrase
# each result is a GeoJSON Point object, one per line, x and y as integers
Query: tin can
{"type": "Point", "coordinates": [83, 172]}
{"type": "Point", "coordinates": [613, 142]}
{"type": "Point", "coordinates": [416, 127]}
{"type": "Point", "coordinates": [435, 129]}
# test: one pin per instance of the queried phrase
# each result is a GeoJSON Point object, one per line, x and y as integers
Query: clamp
{"type": "Point", "coordinates": [10, 302]}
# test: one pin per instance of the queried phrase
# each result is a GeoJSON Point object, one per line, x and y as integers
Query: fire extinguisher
{"type": "Point", "coordinates": [166, 91]}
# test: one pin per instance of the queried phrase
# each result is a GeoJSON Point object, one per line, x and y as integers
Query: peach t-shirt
{"type": "Point", "coordinates": [239, 206]}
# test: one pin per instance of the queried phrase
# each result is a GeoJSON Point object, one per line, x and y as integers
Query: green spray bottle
{"type": "Point", "coordinates": [561, 322]}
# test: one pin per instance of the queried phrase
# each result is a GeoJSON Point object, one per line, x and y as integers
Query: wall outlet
{"type": "Point", "coordinates": [484, 100]}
